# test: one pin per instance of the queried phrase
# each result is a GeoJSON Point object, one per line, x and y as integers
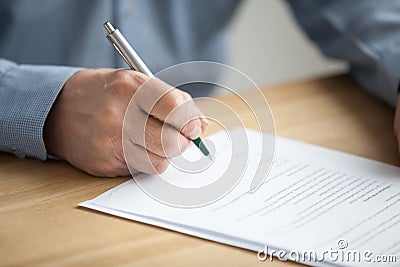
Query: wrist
{"type": "Point", "coordinates": [49, 133]}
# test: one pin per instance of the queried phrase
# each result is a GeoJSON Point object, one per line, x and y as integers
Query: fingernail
{"type": "Point", "coordinates": [203, 117]}
{"type": "Point", "coordinates": [205, 120]}
{"type": "Point", "coordinates": [195, 133]}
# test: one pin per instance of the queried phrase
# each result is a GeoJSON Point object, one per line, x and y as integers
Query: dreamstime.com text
{"type": "Point", "coordinates": [339, 254]}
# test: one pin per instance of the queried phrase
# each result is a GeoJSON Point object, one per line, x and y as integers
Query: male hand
{"type": "Point", "coordinates": [85, 125]}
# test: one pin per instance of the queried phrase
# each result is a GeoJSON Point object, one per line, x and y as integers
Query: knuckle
{"type": "Point", "coordinates": [161, 165]}
{"type": "Point", "coordinates": [122, 76]}
{"type": "Point", "coordinates": [174, 99]}
{"type": "Point", "coordinates": [129, 81]}
{"type": "Point", "coordinates": [186, 96]}
{"type": "Point", "coordinates": [171, 105]}
{"type": "Point", "coordinates": [152, 137]}
{"type": "Point", "coordinates": [140, 78]}
{"type": "Point", "coordinates": [169, 146]}
{"type": "Point", "coordinates": [192, 124]}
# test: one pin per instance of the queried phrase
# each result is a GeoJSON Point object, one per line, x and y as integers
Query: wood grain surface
{"type": "Point", "coordinates": [41, 225]}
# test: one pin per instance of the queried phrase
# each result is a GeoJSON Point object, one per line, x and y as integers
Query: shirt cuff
{"type": "Point", "coordinates": [27, 93]}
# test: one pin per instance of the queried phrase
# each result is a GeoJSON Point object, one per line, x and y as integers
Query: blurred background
{"type": "Point", "coordinates": [267, 45]}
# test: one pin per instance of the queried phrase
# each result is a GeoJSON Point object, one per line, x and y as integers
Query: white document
{"type": "Point", "coordinates": [314, 202]}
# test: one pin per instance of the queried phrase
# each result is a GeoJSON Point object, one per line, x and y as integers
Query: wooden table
{"type": "Point", "coordinates": [41, 225]}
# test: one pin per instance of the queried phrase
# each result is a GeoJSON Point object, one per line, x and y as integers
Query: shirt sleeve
{"type": "Point", "coordinates": [363, 33]}
{"type": "Point", "coordinates": [27, 93]}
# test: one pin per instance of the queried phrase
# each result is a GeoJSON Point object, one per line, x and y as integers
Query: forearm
{"type": "Point", "coordinates": [27, 93]}
{"type": "Point", "coordinates": [363, 33]}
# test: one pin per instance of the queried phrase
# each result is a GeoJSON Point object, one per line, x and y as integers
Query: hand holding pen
{"type": "Point", "coordinates": [85, 123]}
{"type": "Point", "coordinates": [133, 60]}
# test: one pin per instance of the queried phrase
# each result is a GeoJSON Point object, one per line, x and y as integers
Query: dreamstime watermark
{"type": "Point", "coordinates": [340, 254]}
{"type": "Point", "coordinates": [207, 73]}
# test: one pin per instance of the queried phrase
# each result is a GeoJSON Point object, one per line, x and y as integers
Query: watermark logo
{"type": "Point", "coordinates": [235, 163]}
{"type": "Point", "coordinates": [341, 254]}
{"type": "Point", "coordinates": [342, 244]}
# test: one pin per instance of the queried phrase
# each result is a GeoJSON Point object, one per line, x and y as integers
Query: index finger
{"type": "Point", "coordinates": [170, 105]}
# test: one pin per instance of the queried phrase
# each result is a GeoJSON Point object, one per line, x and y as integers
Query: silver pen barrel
{"type": "Point", "coordinates": [125, 50]}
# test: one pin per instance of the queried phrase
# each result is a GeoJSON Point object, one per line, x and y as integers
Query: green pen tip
{"type": "Point", "coordinates": [200, 144]}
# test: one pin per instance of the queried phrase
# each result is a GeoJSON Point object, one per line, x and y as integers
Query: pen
{"type": "Point", "coordinates": [133, 60]}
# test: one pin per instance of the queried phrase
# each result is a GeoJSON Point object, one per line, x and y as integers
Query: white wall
{"type": "Point", "coordinates": [268, 45]}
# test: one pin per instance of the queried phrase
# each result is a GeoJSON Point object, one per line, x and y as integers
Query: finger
{"type": "Point", "coordinates": [204, 122]}
{"type": "Point", "coordinates": [170, 105]}
{"type": "Point", "coordinates": [173, 108]}
{"type": "Point", "coordinates": [153, 135]}
{"type": "Point", "coordinates": [141, 160]}
{"type": "Point", "coordinates": [163, 139]}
